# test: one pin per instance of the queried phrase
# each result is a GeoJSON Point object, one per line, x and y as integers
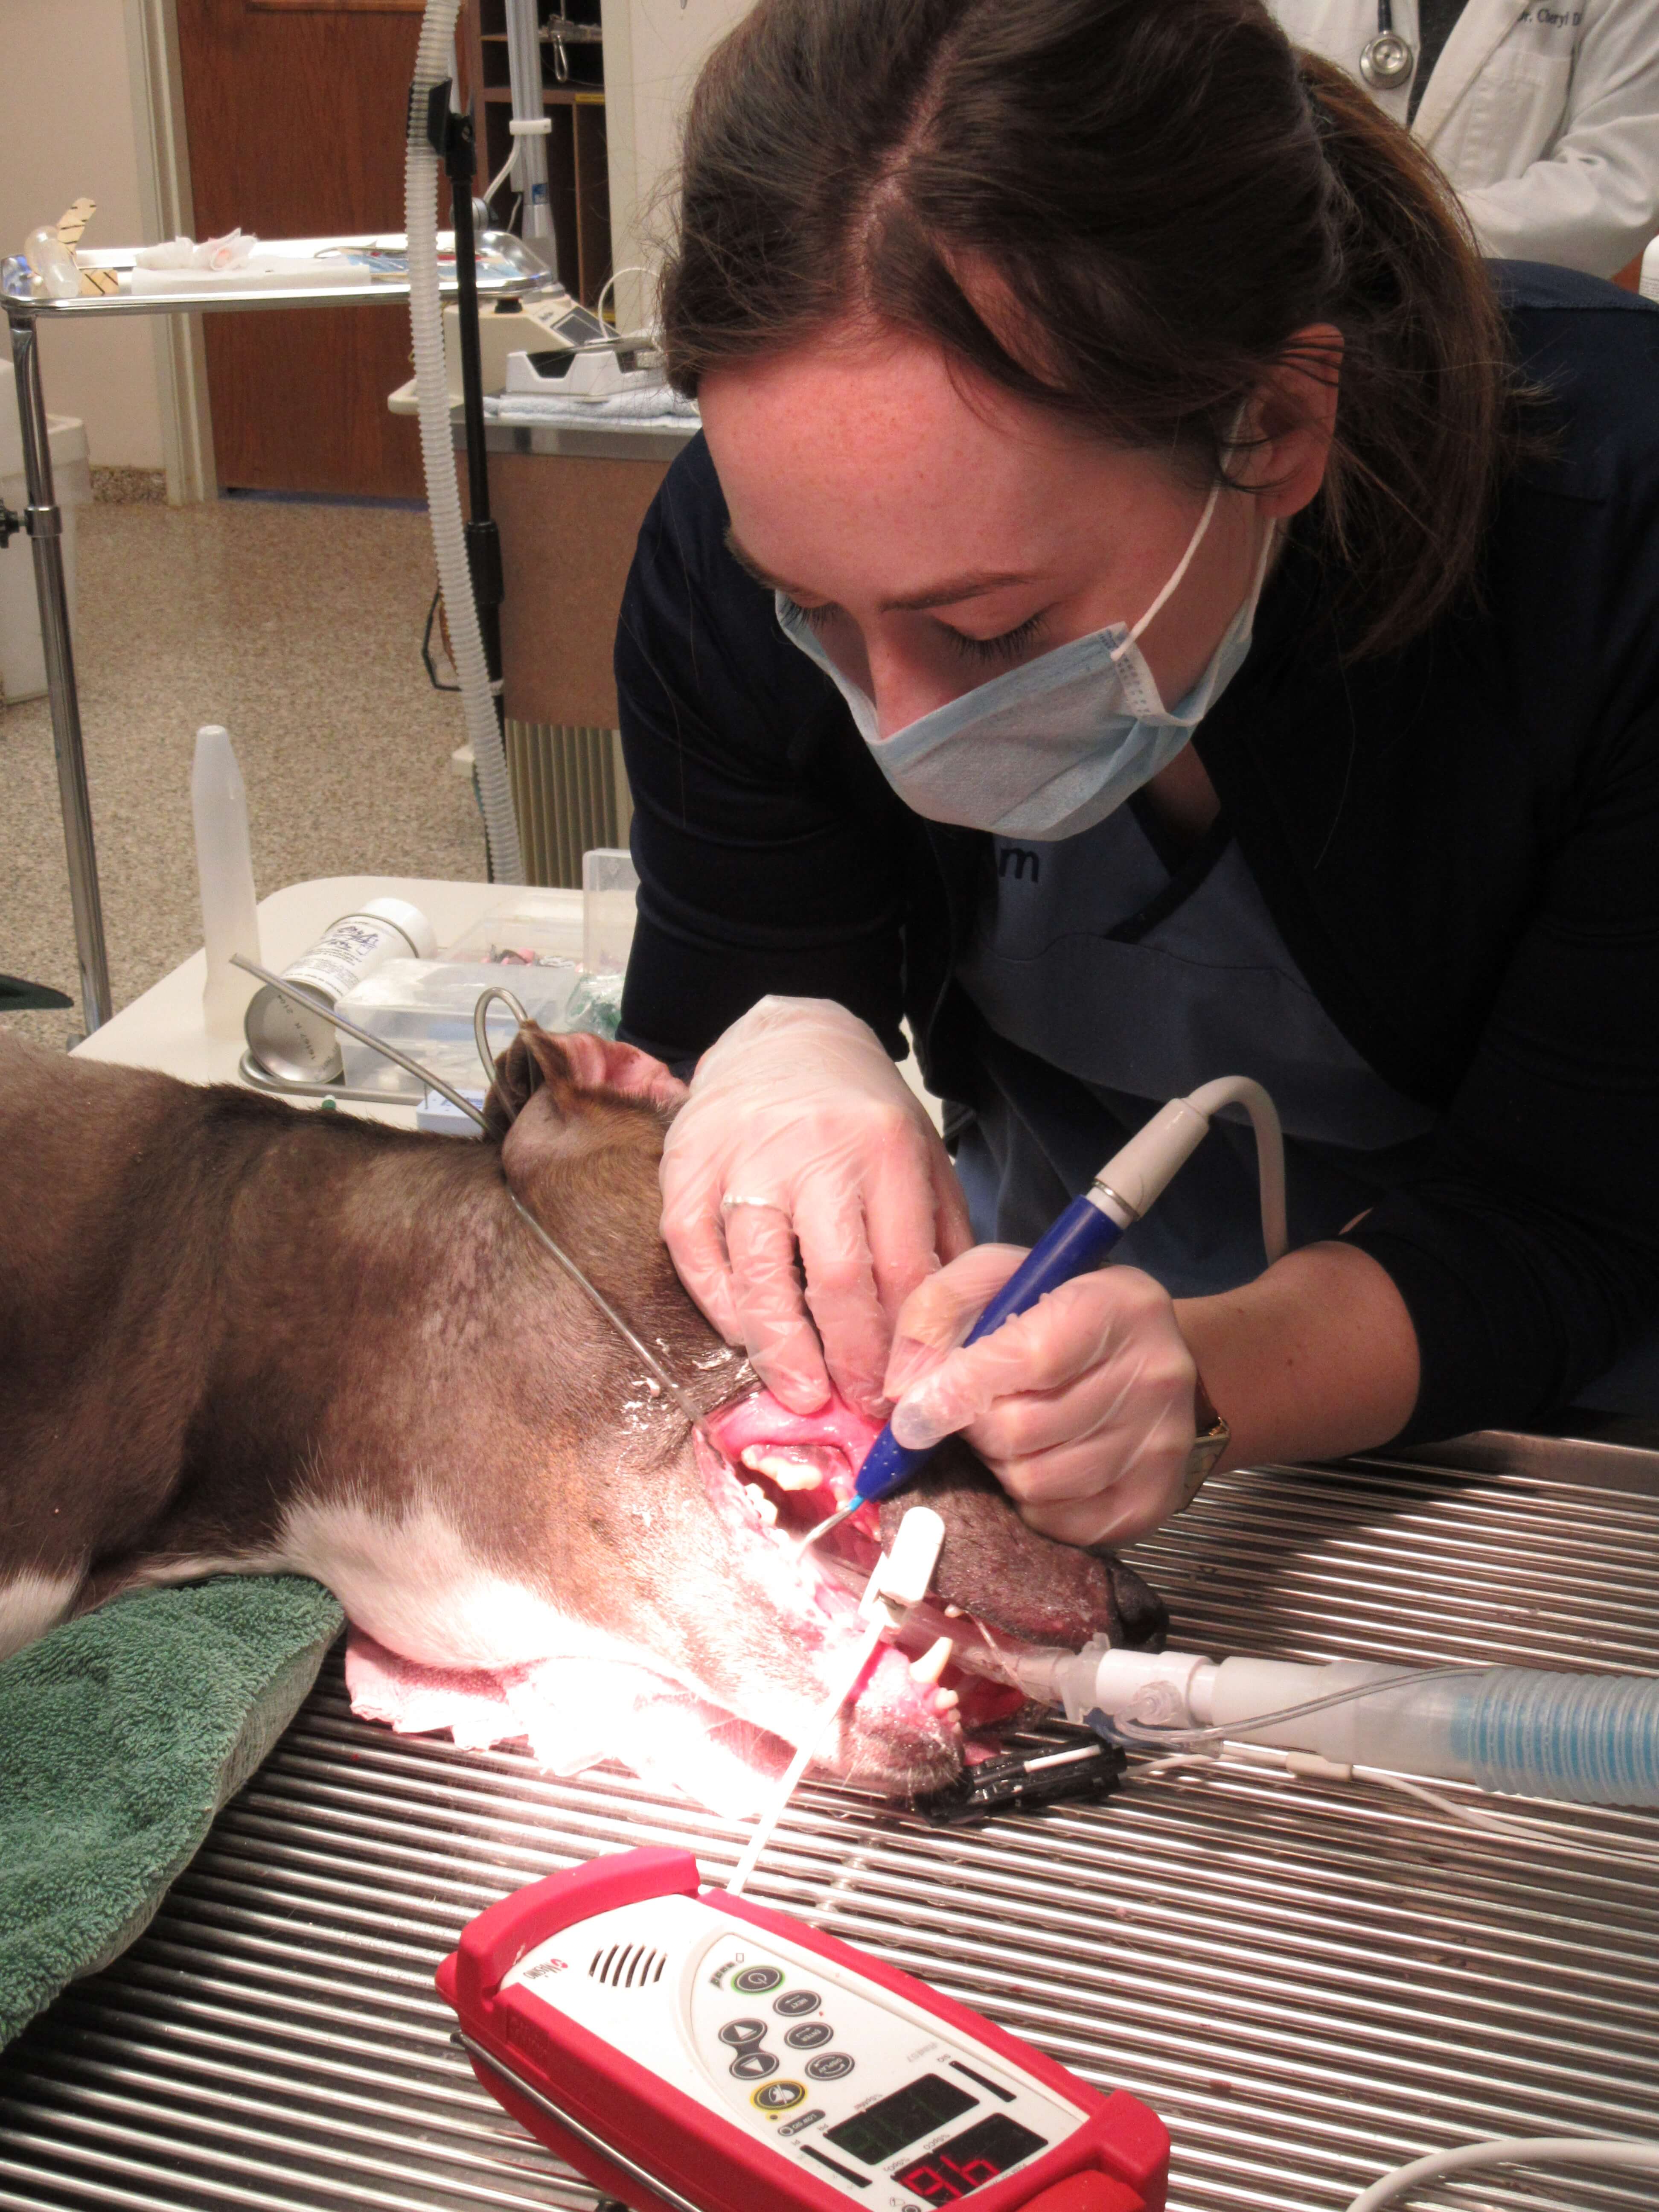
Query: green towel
{"type": "Point", "coordinates": [121, 1735]}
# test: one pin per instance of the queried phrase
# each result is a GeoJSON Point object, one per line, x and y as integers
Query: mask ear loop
{"type": "Point", "coordinates": [1192, 544]}
{"type": "Point", "coordinates": [1180, 568]}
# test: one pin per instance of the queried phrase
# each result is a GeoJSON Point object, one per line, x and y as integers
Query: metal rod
{"type": "Point", "coordinates": [313, 1004]}
{"type": "Point", "coordinates": [524, 70]}
{"type": "Point", "coordinates": [46, 536]}
{"type": "Point", "coordinates": [653, 1366]}
{"type": "Point", "coordinates": [657, 2187]}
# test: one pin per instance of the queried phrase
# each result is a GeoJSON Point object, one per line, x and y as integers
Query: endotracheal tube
{"type": "Point", "coordinates": [1593, 1739]}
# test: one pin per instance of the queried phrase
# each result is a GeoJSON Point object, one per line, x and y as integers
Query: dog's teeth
{"type": "Point", "coordinates": [932, 1662]}
{"type": "Point", "coordinates": [953, 1613]}
{"type": "Point", "coordinates": [945, 1701]}
{"type": "Point", "coordinates": [763, 1507]}
{"type": "Point", "coordinates": [788, 1474]}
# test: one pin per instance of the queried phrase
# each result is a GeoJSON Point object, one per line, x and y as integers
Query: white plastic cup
{"type": "Point", "coordinates": [609, 886]}
{"type": "Point", "coordinates": [224, 869]}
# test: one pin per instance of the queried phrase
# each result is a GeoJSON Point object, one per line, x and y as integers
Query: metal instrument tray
{"type": "Point", "coordinates": [507, 269]}
{"type": "Point", "coordinates": [1310, 1983]}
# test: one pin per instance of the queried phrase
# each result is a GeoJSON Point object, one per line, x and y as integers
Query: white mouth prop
{"type": "Point", "coordinates": [786, 1473]}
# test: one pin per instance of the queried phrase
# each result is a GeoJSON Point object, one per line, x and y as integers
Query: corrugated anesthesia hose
{"type": "Point", "coordinates": [434, 65]}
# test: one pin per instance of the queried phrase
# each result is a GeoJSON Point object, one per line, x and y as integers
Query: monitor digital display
{"type": "Point", "coordinates": [876, 2133]}
{"type": "Point", "coordinates": [980, 2154]}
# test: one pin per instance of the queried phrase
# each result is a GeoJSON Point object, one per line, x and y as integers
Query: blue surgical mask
{"type": "Point", "coordinates": [1051, 748]}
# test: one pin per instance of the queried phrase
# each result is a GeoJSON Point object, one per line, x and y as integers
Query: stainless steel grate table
{"type": "Point", "coordinates": [1310, 1983]}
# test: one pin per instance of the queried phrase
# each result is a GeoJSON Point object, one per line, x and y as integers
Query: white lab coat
{"type": "Point", "coordinates": [1544, 117]}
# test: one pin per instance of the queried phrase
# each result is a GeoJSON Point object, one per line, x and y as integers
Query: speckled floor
{"type": "Point", "coordinates": [299, 627]}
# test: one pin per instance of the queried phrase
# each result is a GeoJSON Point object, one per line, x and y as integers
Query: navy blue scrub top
{"type": "Point", "coordinates": [1141, 980]}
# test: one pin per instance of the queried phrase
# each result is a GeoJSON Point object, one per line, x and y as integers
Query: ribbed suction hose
{"type": "Point", "coordinates": [434, 65]}
{"type": "Point", "coordinates": [1591, 1738]}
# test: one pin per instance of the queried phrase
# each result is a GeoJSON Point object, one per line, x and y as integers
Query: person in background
{"type": "Point", "coordinates": [1544, 117]}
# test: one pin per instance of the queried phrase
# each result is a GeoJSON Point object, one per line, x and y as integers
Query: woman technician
{"type": "Point", "coordinates": [1151, 605]}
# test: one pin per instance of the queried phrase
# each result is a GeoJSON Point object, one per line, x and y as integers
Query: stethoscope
{"type": "Point", "coordinates": [1386, 60]}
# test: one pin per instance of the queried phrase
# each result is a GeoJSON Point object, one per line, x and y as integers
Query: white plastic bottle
{"type": "Point", "coordinates": [224, 868]}
{"type": "Point", "coordinates": [297, 1047]}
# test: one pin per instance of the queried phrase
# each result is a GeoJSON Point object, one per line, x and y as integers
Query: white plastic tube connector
{"type": "Point", "coordinates": [434, 65]}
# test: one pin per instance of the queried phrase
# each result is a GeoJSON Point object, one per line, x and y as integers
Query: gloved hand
{"type": "Point", "coordinates": [799, 1131]}
{"type": "Point", "coordinates": [1082, 1408]}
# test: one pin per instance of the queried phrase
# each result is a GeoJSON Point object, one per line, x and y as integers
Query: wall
{"type": "Point", "coordinates": [69, 130]}
{"type": "Point", "coordinates": [653, 51]}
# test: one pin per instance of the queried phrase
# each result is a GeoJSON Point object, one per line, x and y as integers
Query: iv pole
{"type": "Point", "coordinates": [531, 122]}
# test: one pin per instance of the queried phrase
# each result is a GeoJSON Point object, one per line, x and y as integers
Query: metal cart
{"type": "Point", "coordinates": [506, 269]}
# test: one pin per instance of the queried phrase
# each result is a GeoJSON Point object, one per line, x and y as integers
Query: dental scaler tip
{"type": "Point", "coordinates": [834, 1520]}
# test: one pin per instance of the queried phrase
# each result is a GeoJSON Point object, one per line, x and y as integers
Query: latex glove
{"type": "Point", "coordinates": [799, 1133]}
{"type": "Point", "coordinates": [1082, 1408]}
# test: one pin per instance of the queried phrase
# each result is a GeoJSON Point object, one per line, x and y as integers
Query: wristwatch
{"type": "Point", "coordinates": [1212, 1439]}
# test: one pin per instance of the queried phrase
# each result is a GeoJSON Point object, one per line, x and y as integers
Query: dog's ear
{"type": "Point", "coordinates": [570, 1069]}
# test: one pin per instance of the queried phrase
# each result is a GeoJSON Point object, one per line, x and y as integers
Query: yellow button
{"type": "Point", "coordinates": [775, 2097]}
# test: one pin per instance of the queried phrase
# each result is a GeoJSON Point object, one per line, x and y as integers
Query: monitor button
{"type": "Point", "coordinates": [754, 2065]}
{"type": "Point", "coordinates": [834, 2066]}
{"type": "Point", "coordinates": [779, 2097]}
{"type": "Point", "coordinates": [795, 2004]}
{"type": "Point", "coordinates": [811, 2035]}
{"type": "Point", "coordinates": [740, 2032]}
{"type": "Point", "coordinates": [755, 1981]}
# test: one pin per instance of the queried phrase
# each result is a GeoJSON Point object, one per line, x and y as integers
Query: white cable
{"type": "Point", "coordinates": [1515, 1828]}
{"type": "Point", "coordinates": [500, 177]}
{"type": "Point", "coordinates": [1509, 2150]}
{"type": "Point", "coordinates": [824, 1722]}
{"type": "Point", "coordinates": [633, 269]}
{"type": "Point", "coordinates": [434, 65]}
{"type": "Point", "coordinates": [1310, 1767]}
{"type": "Point", "coordinates": [1240, 1091]}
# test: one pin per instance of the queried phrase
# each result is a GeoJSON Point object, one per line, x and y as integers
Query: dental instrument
{"type": "Point", "coordinates": [1125, 1189]}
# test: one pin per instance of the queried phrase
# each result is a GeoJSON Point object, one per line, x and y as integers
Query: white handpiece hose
{"type": "Point", "coordinates": [434, 65]}
{"type": "Point", "coordinates": [1138, 1173]}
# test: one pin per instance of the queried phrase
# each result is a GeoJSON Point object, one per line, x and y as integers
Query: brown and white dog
{"type": "Point", "coordinates": [238, 1336]}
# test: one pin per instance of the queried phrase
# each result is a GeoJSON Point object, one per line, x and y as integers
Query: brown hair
{"type": "Point", "coordinates": [1164, 189]}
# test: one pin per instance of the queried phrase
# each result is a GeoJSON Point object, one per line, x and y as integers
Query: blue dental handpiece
{"type": "Point", "coordinates": [1131, 1181]}
{"type": "Point", "coordinates": [1079, 1241]}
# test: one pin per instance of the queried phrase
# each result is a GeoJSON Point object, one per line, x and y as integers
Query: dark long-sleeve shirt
{"type": "Point", "coordinates": [1458, 842]}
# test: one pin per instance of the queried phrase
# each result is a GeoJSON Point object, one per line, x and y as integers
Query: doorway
{"type": "Point", "coordinates": [295, 112]}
